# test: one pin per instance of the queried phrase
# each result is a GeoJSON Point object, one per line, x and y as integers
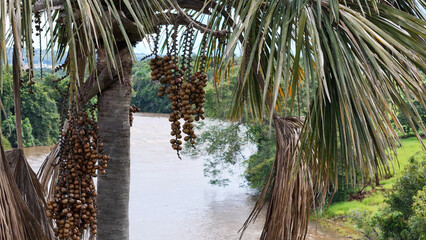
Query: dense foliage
{"type": "Point", "coordinates": [40, 111]}
{"type": "Point", "coordinates": [144, 93]}
{"type": "Point", "coordinates": [259, 164]}
{"type": "Point", "coordinates": [405, 123]}
{"type": "Point", "coordinates": [223, 144]}
{"type": "Point", "coordinates": [404, 217]}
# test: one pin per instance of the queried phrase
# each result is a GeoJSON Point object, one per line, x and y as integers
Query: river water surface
{"type": "Point", "coordinates": [171, 198]}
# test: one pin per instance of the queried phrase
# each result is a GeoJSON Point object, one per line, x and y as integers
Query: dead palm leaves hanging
{"type": "Point", "coordinates": [49, 172]}
{"type": "Point", "coordinates": [292, 190]}
{"type": "Point", "coordinates": [21, 215]}
{"type": "Point", "coordinates": [29, 187]}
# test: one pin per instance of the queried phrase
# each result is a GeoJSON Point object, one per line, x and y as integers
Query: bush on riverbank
{"type": "Point", "coordinates": [404, 217]}
{"type": "Point", "coordinates": [395, 210]}
{"type": "Point", "coordinates": [259, 164]}
{"type": "Point", "coordinates": [6, 143]}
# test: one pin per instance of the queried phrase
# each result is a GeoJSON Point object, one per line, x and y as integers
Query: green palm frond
{"type": "Point", "coordinates": [357, 61]}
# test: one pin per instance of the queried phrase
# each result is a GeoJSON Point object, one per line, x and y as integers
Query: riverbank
{"type": "Point", "coordinates": [348, 218]}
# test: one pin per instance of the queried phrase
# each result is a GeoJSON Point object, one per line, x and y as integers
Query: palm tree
{"type": "Point", "coordinates": [357, 62]}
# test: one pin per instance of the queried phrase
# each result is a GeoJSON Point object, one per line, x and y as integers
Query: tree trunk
{"type": "Point", "coordinates": [113, 188]}
{"type": "Point", "coordinates": [377, 179]}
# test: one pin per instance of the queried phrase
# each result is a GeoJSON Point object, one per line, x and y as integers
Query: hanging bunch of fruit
{"type": "Point", "coordinates": [73, 204]}
{"type": "Point", "coordinates": [132, 109]}
{"type": "Point", "coordinates": [183, 87]}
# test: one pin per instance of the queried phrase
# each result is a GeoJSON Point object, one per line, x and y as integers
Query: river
{"type": "Point", "coordinates": [171, 198]}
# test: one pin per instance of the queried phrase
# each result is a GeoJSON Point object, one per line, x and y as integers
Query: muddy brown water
{"type": "Point", "coordinates": [171, 198]}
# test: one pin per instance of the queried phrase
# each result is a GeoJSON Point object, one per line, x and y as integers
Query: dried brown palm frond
{"type": "Point", "coordinates": [292, 190]}
{"type": "Point", "coordinates": [48, 172]}
{"type": "Point", "coordinates": [30, 188]}
{"type": "Point", "coordinates": [16, 219]}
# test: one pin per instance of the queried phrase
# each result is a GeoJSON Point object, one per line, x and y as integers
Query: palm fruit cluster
{"type": "Point", "coordinates": [164, 70]}
{"type": "Point", "coordinates": [30, 73]}
{"type": "Point", "coordinates": [184, 89]}
{"type": "Point", "coordinates": [81, 157]}
{"type": "Point", "coordinates": [132, 109]}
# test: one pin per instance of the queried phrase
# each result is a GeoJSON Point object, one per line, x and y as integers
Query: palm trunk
{"type": "Point", "coordinates": [113, 188]}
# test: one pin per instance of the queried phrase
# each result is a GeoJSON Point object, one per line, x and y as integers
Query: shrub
{"type": "Point", "coordinates": [404, 216]}
{"type": "Point", "coordinates": [259, 164]}
{"type": "Point", "coordinates": [417, 222]}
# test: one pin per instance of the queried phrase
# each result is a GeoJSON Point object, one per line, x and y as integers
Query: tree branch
{"type": "Point", "coordinates": [104, 75]}
{"type": "Point", "coordinates": [197, 5]}
{"type": "Point", "coordinates": [40, 5]}
{"type": "Point", "coordinates": [183, 19]}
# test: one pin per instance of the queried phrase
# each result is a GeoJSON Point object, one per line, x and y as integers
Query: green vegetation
{"type": "Point", "coordinates": [259, 164]}
{"type": "Point", "coordinates": [374, 201]}
{"type": "Point", "coordinates": [223, 144]}
{"type": "Point", "coordinates": [404, 122]}
{"type": "Point", "coordinates": [6, 143]}
{"type": "Point", "coordinates": [404, 214]}
{"type": "Point", "coordinates": [377, 214]}
{"type": "Point", "coordinates": [389, 208]}
{"type": "Point", "coordinates": [40, 111]}
{"type": "Point", "coordinates": [144, 93]}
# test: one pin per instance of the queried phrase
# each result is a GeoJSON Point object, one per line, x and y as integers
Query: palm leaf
{"type": "Point", "coordinates": [30, 188]}
{"type": "Point", "coordinates": [358, 61]}
{"type": "Point", "coordinates": [17, 220]}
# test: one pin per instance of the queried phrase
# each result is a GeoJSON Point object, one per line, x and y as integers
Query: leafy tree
{"type": "Point", "coordinates": [413, 180]}
{"type": "Point", "coordinates": [404, 216]}
{"type": "Point", "coordinates": [8, 127]}
{"type": "Point", "coordinates": [223, 143]}
{"type": "Point", "coordinates": [27, 136]}
{"type": "Point", "coordinates": [42, 112]}
{"type": "Point", "coordinates": [50, 87]}
{"type": "Point", "coordinates": [259, 165]}
{"type": "Point", "coordinates": [6, 143]}
{"type": "Point", "coordinates": [417, 222]}
{"type": "Point", "coordinates": [219, 96]}
{"type": "Point", "coordinates": [40, 109]}
{"type": "Point", "coordinates": [145, 91]}
{"type": "Point", "coordinates": [405, 123]}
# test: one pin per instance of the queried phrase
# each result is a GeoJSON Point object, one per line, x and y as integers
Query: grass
{"type": "Point", "coordinates": [343, 212]}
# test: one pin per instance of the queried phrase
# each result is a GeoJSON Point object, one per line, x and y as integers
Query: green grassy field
{"type": "Point", "coordinates": [343, 215]}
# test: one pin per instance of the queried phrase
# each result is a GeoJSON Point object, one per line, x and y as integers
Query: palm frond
{"type": "Point", "coordinates": [353, 60]}
{"type": "Point", "coordinates": [30, 188]}
{"type": "Point", "coordinates": [49, 172]}
{"type": "Point", "coordinates": [356, 62]}
{"type": "Point", "coordinates": [17, 220]}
